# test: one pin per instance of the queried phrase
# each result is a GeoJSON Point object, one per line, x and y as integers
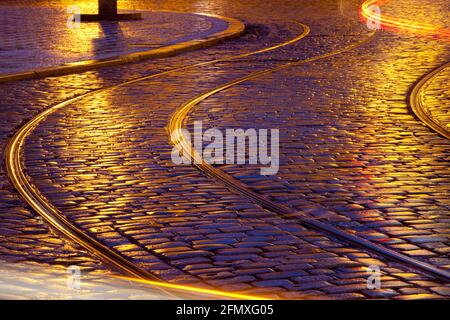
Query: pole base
{"type": "Point", "coordinates": [110, 17]}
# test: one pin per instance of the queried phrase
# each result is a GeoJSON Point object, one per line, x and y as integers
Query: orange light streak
{"type": "Point", "coordinates": [400, 24]}
{"type": "Point", "coordinates": [211, 292]}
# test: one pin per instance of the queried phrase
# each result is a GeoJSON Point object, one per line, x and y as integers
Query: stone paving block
{"type": "Point", "coordinates": [273, 283]}
{"type": "Point", "coordinates": [443, 291]}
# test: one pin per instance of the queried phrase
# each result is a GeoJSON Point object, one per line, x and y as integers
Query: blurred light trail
{"type": "Point", "coordinates": [34, 281]}
{"type": "Point", "coordinates": [196, 290]}
{"type": "Point", "coordinates": [369, 13]}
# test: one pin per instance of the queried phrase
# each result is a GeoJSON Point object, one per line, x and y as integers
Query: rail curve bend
{"type": "Point", "coordinates": [39, 203]}
{"type": "Point", "coordinates": [418, 106]}
{"type": "Point", "coordinates": [178, 121]}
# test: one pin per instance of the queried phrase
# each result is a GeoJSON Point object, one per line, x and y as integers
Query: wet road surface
{"type": "Point", "coordinates": [348, 144]}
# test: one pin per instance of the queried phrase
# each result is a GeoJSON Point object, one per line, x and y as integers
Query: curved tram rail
{"type": "Point", "coordinates": [56, 219]}
{"type": "Point", "coordinates": [177, 122]}
{"type": "Point", "coordinates": [419, 108]}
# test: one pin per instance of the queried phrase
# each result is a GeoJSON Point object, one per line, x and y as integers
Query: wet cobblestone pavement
{"type": "Point", "coordinates": [348, 145]}
{"type": "Point", "coordinates": [364, 156]}
{"type": "Point", "coordinates": [46, 43]}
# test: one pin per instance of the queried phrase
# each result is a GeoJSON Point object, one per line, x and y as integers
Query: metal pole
{"type": "Point", "coordinates": [107, 7]}
{"type": "Point", "coordinates": [107, 10]}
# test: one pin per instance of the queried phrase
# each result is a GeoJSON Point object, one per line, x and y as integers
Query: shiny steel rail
{"type": "Point", "coordinates": [178, 121]}
{"type": "Point", "coordinates": [51, 214]}
{"type": "Point", "coordinates": [417, 105]}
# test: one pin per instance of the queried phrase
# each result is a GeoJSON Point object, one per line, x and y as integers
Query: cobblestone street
{"type": "Point", "coordinates": [28, 50]}
{"type": "Point", "coordinates": [353, 155]}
